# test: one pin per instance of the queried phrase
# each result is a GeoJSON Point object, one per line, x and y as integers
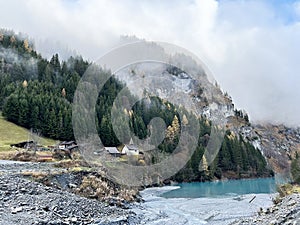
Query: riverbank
{"type": "Point", "coordinates": [286, 212]}
{"type": "Point", "coordinates": [194, 211]}
{"type": "Point", "coordinates": [55, 200]}
{"type": "Point", "coordinates": [24, 201]}
{"type": "Point", "coordinates": [249, 209]}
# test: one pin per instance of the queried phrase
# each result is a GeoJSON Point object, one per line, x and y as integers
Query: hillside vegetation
{"type": "Point", "coordinates": [11, 133]}
{"type": "Point", "coordinates": [37, 94]}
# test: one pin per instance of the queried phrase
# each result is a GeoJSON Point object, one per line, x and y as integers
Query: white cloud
{"type": "Point", "coordinates": [297, 8]}
{"type": "Point", "coordinates": [252, 50]}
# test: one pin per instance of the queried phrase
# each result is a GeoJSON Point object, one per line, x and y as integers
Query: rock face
{"type": "Point", "coordinates": [284, 213]}
{"type": "Point", "coordinates": [279, 144]}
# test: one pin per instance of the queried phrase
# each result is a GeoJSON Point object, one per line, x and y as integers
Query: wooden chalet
{"type": "Point", "coordinates": [68, 145]}
{"type": "Point", "coordinates": [113, 151]}
{"type": "Point", "coordinates": [24, 144]}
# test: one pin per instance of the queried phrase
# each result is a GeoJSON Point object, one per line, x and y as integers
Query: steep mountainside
{"type": "Point", "coordinates": [40, 96]}
{"type": "Point", "coordinates": [277, 143]}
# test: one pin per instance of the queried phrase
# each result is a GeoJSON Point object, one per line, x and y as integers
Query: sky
{"type": "Point", "coordinates": [251, 47]}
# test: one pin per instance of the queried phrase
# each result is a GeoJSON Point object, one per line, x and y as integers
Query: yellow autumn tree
{"type": "Point", "coordinates": [130, 112]}
{"type": "Point", "coordinates": [63, 92]}
{"type": "Point", "coordinates": [206, 122]}
{"type": "Point", "coordinates": [25, 84]}
{"type": "Point", "coordinates": [26, 45]}
{"type": "Point", "coordinates": [170, 133]}
{"type": "Point", "coordinates": [175, 124]}
{"type": "Point", "coordinates": [204, 165]}
{"type": "Point", "coordinates": [185, 120]}
{"type": "Point", "coordinates": [12, 39]}
{"type": "Point", "coordinates": [173, 130]}
{"type": "Point", "coordinates": [1, 37]}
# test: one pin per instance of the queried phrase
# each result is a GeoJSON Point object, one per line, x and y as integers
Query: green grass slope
{"type": "Point", "coordinates": [11, 134]}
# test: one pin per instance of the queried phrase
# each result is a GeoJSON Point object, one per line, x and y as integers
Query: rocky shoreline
{"type": "Point", "coordinates": [24, 201]}
{"type": "Point", "coordinates": [286, 212]}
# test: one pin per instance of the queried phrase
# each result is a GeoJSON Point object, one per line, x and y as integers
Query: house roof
{"type": "Point", "coordinates": [72, 147]}
{"type": "Point", "coordinates": [132, 147]}
{"type": "Point", "coordinates": [131, 141]}
{"type": "Point", "coordinates": [112, 150]}
{"type": "Point", "coordinates": [22, 144]}
{"type": "Point", "coordinates": [67, 143]}
{"type": "Point", "coordinates": [70, 142]}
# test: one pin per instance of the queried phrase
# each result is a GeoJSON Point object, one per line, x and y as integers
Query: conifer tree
{"type": "Point", "coordinates": [185, 120]}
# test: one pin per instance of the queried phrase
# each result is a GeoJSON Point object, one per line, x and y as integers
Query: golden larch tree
{"type": "Point", "coordinates": [25, 84]}
{"type": "Point", "coordinates": [63, 92]}
{"type": "Point", "coordinates": [204, 165]}
{"type": "Point", "coordinates": [173, 129]}
{"type": "Point", "coordinates": [26, 45]}
{"type": "Point", "coordinates": [12, 39]}
{"type": "Point", "coordinates": [184, 120]}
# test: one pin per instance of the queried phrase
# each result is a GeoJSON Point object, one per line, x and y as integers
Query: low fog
{"type": "Point", "coordinates": [251, 47]}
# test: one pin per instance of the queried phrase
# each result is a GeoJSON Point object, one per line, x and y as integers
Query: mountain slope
{"type": "Point", "coordinates": [42, 100]}
{"type": "Point", "coordinates": [10, 133]}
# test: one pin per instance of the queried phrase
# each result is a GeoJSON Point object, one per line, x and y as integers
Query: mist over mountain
{"type": "Point", "coordinates": [187, 102]}
{"type": "Point", "coordinates": [251, 47]}
{"type": "Point", "coordinates": [122, 96]}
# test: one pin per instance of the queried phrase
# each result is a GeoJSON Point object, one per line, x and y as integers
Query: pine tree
{"type": "Point", "coordinates": [49, 75]}
{"type": "Point", "coordinates": [35, 122]}
{"type": "Point", "coordinates": [55, 63]}
{"type": "Point", "coordinates": [23, 112]}
{"type": "Point", "coordinates": [11, 108]}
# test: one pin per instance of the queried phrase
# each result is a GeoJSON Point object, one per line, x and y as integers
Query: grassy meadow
{"type": "Point", "coordinates": [11, 134]}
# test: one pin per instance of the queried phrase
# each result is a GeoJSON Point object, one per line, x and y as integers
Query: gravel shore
{"type": "Point", "coordinates": [287, 212]}
{"type": "Point", "coordinates": [24, 201]}
{"type": "Point", "coordinates": [27, 202]}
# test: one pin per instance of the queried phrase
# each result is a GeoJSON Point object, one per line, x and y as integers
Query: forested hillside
{"type": "Point", "coordinates": [37, 93]}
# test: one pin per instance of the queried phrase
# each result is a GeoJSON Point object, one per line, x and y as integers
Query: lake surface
{"type": "Point", "coordinates": [214, 203]}
{"type": "Point", "coordinates": [223, 188]}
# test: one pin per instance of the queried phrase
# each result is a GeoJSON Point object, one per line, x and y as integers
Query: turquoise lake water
{"type": "Point", "coordinates": [223, 188]}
